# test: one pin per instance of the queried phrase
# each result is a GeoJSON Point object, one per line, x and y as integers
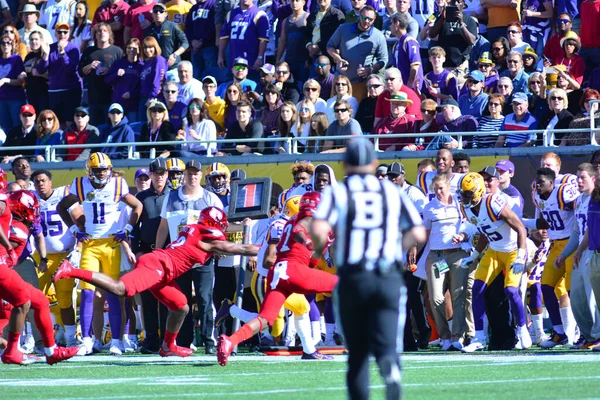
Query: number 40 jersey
{"type": "Point", "coordinates": [57, 235]}
{"type": "Point", "coordinates": [557, 209]}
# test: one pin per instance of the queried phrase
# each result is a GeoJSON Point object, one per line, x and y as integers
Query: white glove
{"type": "Point", "coordinates": [74, 258]}
{"type": "Point", "coordinates": [519, 265]}
{"type": "Point", "coordinates": [470, 260]}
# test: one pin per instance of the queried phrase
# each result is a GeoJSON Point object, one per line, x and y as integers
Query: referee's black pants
{"type": "Point", "coordinates": [372, 312]}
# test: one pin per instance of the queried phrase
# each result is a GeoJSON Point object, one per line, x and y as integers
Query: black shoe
{"type": "Point", "coordinates": [210, 349]}
{"type": "Point", "coordinates": [149, 349]}
{"type": "Point", "coordinates": [423, 341]}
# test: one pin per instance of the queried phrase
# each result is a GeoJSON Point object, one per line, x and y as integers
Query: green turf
{"type": "Point", "coordinates": [430, 375]}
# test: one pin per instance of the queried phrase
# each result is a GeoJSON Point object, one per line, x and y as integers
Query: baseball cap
{"type": "Point", "coordinates": [27, 108]}
{"type": "Point", "coordinates": [505, 165]}
{"type": "Point", "coordinates": [193, 164]}
{"type": "Point", "coordinates": [240, 61]}
{"type": "Point", "coordinates": [491, 171]}
{"type": "Point", "coordinates": [359, 152]}
{"type": "Point", "coordinates": [210, 79]}
{"type": "Point", "coordinates": [395, 168]}
{"type": "Point", "coordinates": [268, 69]}
{"type": "Point", "coordinates": [115, 106]}
{"type": "Point", "coordinates": [382, 168]}
{"type": "Point", "coordinates": [447, 102]}
{"type": "Point", "coordinates": [158, 164]}
{"type": "Point", "coordinates": [142, 171]}
{"type": "Point", "coordinates": [61, 25]}
{"type": "Point", "coordinates": [520, 97]}
{"type": "Point", "coordinates": [477, 75]}
{"type": "Point", "coordinates": [159, 5]}
{"type": "Point", "coordinates": [237, 175]}
{"type": "Point", "coordinates": [82, 110]}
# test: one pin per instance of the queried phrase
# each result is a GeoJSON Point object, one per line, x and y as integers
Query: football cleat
{"type": "Point", "coordinates": [446, 344]}
{"type": "Point", "coordinates": [555, 340]}
{"type": "Point", "coordinates": [97, 347]}
{"type": "Point", "coordinates": [61, 354]}
{"type": "Point", "coordinates": [64, 271]}
{"type": "Point", "coordinates": [524, 339]}
{"type": "Point", "coordinates": [28, 345]}
{"type": "Point", "coordinates": [477, 344]}
{"type": "Point", "coordinates": [541, 339]}
{"type": "Point", "coordinates": [456, 346]}
{"type": "Point", "coordinates": [594, 345]}
{"type": "Point", "coordinates": [224, 349]}
{"type": "Point", "coordinates": [223, 312]}
{"type": "Point", "coordinates": [581, 344]}
{"type": "Point", "coordinates": [316, 356]}
{"type": "Point", "coordinates": [86, 347]}
{"type": "Point", "coordinates": [18, 358]}
{"type": "Point", "coordinates": [115, 350]}
{"type": "Point", "coordinates": [210, 349]}
{"type": "Point", "coordinates": [175, 351]}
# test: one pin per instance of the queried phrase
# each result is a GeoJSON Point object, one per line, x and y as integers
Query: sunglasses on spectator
{"type": "Point", "coordinates": [535, 83]}
{"type": "Point", "coordinates": [8, 31]}
{"type": "Point", "coordinates": [157, 110]}
{"type": "Point", "coordinates": [27, 115]}
{"type": "Point", "coordinates": [367, 19]}
{"type": "Point", "coordinates": [195, 106]}
{"type": "Point", "coordinates": [240, 67]}
{"type": "Point", "coordinates": [494, 105]}
{"type": "Point", "coordinates": [115, 112]}
{"type": "Point", "coordinates": [563, 21]}
{"type": "Point", "coordinates": [513, 31]}
{"type": "Point", "coordinates": [158, 11]}
{"type": "Point", "coordinates": [376, 86]}
{"type": "Point", "coordinates": [310, 89]}
{"type": "Point", "coordinates": [170, 91]}
{"type": "Point", "coordinates": [340, 110]}
{"type": "Point", "coordinates": [48, 119]}
{"type": "Point", "coordinates": [341, 84]}
{"type": "Point", "coordinates": [7, 43]}
{"type": "Point", "coordinates": [484, 66]}
{"type": "Point", "coordinates": [322, 65]}
{"type": "Point", "coordinates": [81, 115]}
{"type": "Point", "coordinates": [497, 48]}
{"type": "Point", "coordinates": [62, 32]}
{"type": "Point", "coordinates": [390, 79]}
{"type": "Point", "coordinates": [281, 72]}
{"type": "Point", "coordinates": [301, 109]}
{"type": "Point", "coordinates": [556, 98]}
{"type": "Point", "coordinates": [503, 86]}
{"type": "Point", "coordinates": [233, 91]}
{"type": "Point", "coordinates": [427, 111]}
{"type": "Point", "coordinates": [512, 61]}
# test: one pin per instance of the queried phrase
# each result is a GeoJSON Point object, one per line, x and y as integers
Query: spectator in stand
{"type": "Point", "coordinates": [530, 61]}
{"type": "Point", "coordinates": [514, 33]}
{"type": "Point", "coordinates": [321, 26]}
{"type": "Point", "coordinates": [36, 83]}
{"type": "Point", "coordinates": [500, 14]}
{"type": "Point", "coordinates": [13, 34]}
{"type": "Point", "coordinates": [178, 11]}
{"type": "Point", "coordinates": [519, 120]}
{"type": "Point", "coordinates": [139, 18]}
{"type": "Point", "coordinates": [292, 41]}
{"type": "Point", "coordinates": [244, 128]}
{"type": "Point", "coordinates": [114, 13]}
{"type": "Point", "coordinates": [287, 119]}
{"type": "Point", "coordinates": [354, 14]}
{"type": "Point", "coordinates": [590, 33]}
{"type": "Point", "coordinates": [573, 62]}
{"type": "Point", "coordinates": [6, 16]}
{"type": "Point", "coordinates": [489, 125]}
{"type": "Point", "coordinates": [486, 66]}
{"type": "Point", "coordinates": [252, 45]}
{"type": "Point", "coordinates": [505, 88]}
{"type": "Point", "coordinates": [582, 121]}
{"type": "Point", "coordinates": [397, 122]}
{"type": "Point", "coordinates": [124, 77]}
{"type": "Point", "coordinates": [189, 87]}
{"type": "Point", "coordinates": [30, 16]}
{"type": "Point", "coordinates": [515, 71]}
{"type": "Point", "coordinates": [342, 90]}
{"type": "Point", "coordinates": [171, 39]}
{"type": "Point", "coordinates": [197, 126]}
{"type": "Point", "coordinates": [553, 49]}
{"type": "Point", "coordinates": [270, 110]}
{"type": "Point", "coordinates": [394, 83]}
{"type": "Point", "coordinates": [202, 35]}
{"type": "Point", "coordinates": [158, 129]}
{"type": "Point", "coordinates": [366, 109]}
{"type": "Point", "coordinates": [267, 76]}
{"type": "Point", "coordinates": [406, 54]}
{"type": "Point", "coordinates": [474, 102]}
{"type": "Point", "coordinates": [457, 34]}
{"type": "Point", "coordinates": [214, 103]}
{"type": "Point", "coordinates": [176, 109]}
{"type": "Point", "coordinates": [80, 132]}
{"type": "Point", "coordinates": [324, 77]}
{"type": "Point", "coordinates": [95, 63]}
{"type": "Point", "coordinates": [82, 26]}
{"type": "Point", "coordinates": [439, 84]}
{"type": "Point", "coordinates": [234, 95]}
{"type": "Point", "coordinates": [118, 131]}
{"type": "Point", "coordinates": [359, 50]}
{"type": "Point", "coordinates": [239, 71]}
{"type": "Point", "coordinates": [500, 49]}
{"type": "Point", "coordinates": [318, 128]}
{"type": "Point", "coordinates": [286, 83]}
{"type": "Point", "coordinates": [558, 118]}
{"type": "Point", "coordinates": [403, 7]}
{"type": "Point", "coordinates": [152, 75]}
{"type": "Point", "coordinates": [12, 95]}
{"type": "Point", "coordinates": [48, 133]}
{"type": "Point", "coordinates": [428, 124]}
{"type": "Point", "coordinates": [23, 134]}
{"type": "Point", "coordinates": [57, 11]}
{"type": "Point", "coordinates": [311, 91]}
{"type": "Point", "coordinates": [453, 121]}
{"type": "Point", "coordinates": [302, 126]}
{"type": "Point", "coordinates": [566, 82]}
{"type": "Point", "coordinates": [481, 46]}
{"type": "Point", "coordinates": [343, 125]}
{"type": "Point", "coordinates": [537, 27]}
{"type": "Point", "coordinates": [538, 104]}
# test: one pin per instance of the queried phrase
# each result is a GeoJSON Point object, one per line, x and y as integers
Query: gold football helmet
{"type": "Point", "coordinates": [95, 167]}
{"type": "Point", "coordinates": [214, 171]}
{"type": "Point", "coordinates": [175, 168]}
{"type": "Point", "coordinates": [291, 206]}
{"type": "Point", "coordinates": [472, 189]}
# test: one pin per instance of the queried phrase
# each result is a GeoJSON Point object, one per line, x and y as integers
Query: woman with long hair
{"type": "Point", "coordinates": [158, 129]}
{"type": "Point", "coordinates": [197, 126]}
{"type": "Point", "coordinates": [271, 105]}
{"type": "Point", "coordinates": [48, 132]}
{"type": "Point", "coordinates": [81, 32]}
{"type": "Point", "coordinates": [302, 126]}
{"type": "Point", "coordinates": [13, 33]}
{"type": "Point", "coordinates": [12, 95]}
{"type": "Point", "coordinates": [566, 82]}
{"type": "Point", "coordinates": [341, 90]}
{"type": "Point", "coordinates": [318, 128]}
{"type": "Point", "coordinates": [234, 94]}
{"type": "Point", "coordinates": [285, 123]}
{"type": "Point", "coordinates": [152, 75]}
{"type": "Point", "coordinates": [500, 49]}
{"type": "Point", "coordinates": [490, 124]}
{"type": "Point", "coordinates": [124, 77]}
{"type": "Point", "coordinates": [558, 117]}
{"type": "Point", "coordinates": [538, 105]}
{"type": "Point", "coordinates": [36, 83]}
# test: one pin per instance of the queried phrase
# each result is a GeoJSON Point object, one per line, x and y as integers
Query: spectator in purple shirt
{"type": "Point", "coordinates": [124, 77]}
{"type": "Point", "coordinates": [12, 75]}
{"type": "Point", "coordinates": [36, 83]}
{"type": "Point", "coordinates": [201, 33]}
{"type": "Point", "coordinates": [152, 75]}
{"type": "Point", "coordinates": [406, 53]}
{"type": "Point", "coordinates": [324, 77]}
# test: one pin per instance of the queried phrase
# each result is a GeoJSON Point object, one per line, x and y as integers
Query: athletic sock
{"type": "Point", "coordinates": [568, 321]}
{"type": "Point", "coordinates": [242, 334]}
{"type": "Point", "coordinates": [48, 351]}
{"type": "Point", "coordinates": [13, 341]}
{"type": "Point", "coordinates": [322, 324]}
{"type": "Point", "coordinates": [558, 329]}
{"type": "Point", "coordinates": [82, 274]}
{"type": "Point", "coordinates": [316, 331]}
{"type": "Point", "coordinates": [304, 330]}
{"type": "Point", "coordinates": [169, 339]}
{"type": "Point", "coordinates": [241, 314]}
{"type": "Point", "coordinates": [537, 320]}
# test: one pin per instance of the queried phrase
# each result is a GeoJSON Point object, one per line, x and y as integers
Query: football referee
{"type": "Point", "coordinates": [373, 221]}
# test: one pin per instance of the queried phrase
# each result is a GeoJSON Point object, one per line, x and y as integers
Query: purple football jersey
{"type": "Point", "coordinates": [407, 53]}
{"type": "Point", "coordinates": [245, 29]}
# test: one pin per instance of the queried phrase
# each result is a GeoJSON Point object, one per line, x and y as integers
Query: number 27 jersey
{"type": "Point", "coordinates": [557, 210]}
{"type": "Point", "coordinates": [100, 206]}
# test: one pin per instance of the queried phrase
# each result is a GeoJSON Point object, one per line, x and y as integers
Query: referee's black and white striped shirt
{"type": "Point", "coordinates": [368, 217]}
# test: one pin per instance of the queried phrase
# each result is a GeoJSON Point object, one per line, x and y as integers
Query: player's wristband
{"type": "Point", "coordinates": [74, 229]}
{"type": "Point", "coordinates": [475, 255]}
{"type": "Point", "coordinates": [128, 228]}
{"type": "Point", "coordinates": [521, 255]}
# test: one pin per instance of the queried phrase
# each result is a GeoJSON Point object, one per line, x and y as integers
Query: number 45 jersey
{"type": "Point", "coordinates": [557, 209]}
{"type": "Point", "coordinates": [101, 206]}
{"type": "Point", "coordinates": [57, 235]}
{"type": "Point", "coordinates": [500, 235]}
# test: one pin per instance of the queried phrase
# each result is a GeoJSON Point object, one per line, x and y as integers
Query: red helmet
{"type": "Point", "coordinates": [3, 181]}
{"type": "Point", "coordinates": [24, 205]}
{"type": "Point", "coordinates": [310, 201]}
{"type": "Point", "coordinates": [214, 216]}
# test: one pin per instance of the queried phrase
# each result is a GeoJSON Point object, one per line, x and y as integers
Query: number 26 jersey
{"type": "Point", "coordinates": [557, 209]}
{"type": "Point", "coordinates": [501, 237]}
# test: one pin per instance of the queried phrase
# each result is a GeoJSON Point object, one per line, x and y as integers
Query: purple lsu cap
{"type": "Point", "coordinates": [142, 171]}
{"type": "Point", "coordinates": [505, 165]}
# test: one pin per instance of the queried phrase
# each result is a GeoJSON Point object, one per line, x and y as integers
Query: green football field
{"type": "Point", "coordinates": [428, 375]}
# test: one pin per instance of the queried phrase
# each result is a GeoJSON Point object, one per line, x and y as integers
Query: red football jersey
{"type": "Point", "coordinates": [288, 248]}
{"type": "Point", "coordinates": [19, 233]}
{"type": "Point", "coordinates": [5, 221]}
{"type": "Point", "coordinates": [184, 252]}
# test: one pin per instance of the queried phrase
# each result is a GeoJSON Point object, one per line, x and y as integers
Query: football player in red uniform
{"type": "Point", "coordinates": [21, 295]}
{"type": "Point", "coordinates": [292, 273]}
{"type": "Point", "coordinates": [157, 271]}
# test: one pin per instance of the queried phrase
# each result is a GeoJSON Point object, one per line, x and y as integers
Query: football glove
{"type": "Point", "coordinates": [74, 258]}
{"type": "Point", "coordinates": [123, 234]}
{"type": "Point", "coordinates": [519, 265]}
{"type": "Point", "coordinates": [470, 260]}
{"type": "Point", "coordinates": [81, 236]}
